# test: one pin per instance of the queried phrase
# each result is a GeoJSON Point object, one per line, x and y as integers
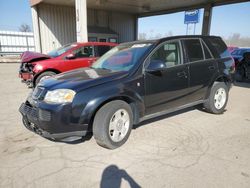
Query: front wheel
{"type": "Point", "coordinates": [112, 124]}
{"type": "Point", "coordinates": [217, 99]}
{"type": "Point", "coordinates": [44, 76]}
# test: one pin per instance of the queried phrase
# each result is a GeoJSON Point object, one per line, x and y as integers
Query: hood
{"type": "Point", "coordinates": [80, 79]}
{"type": "Point", "coordinates": [28, 57]}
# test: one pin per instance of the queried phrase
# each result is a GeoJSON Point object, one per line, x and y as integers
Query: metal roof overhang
{"type": "Point", "coordinates": [142, 8]}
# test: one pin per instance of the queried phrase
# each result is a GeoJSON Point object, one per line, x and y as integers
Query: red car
{"type": "Point", "coordinates": [36, 66]}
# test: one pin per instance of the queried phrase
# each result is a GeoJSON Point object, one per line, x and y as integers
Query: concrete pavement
{"type": "Point", "coordinates": [190, 148]}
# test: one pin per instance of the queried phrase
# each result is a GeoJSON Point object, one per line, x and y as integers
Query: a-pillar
{"type": "Point", "coordinates": [81, 20]}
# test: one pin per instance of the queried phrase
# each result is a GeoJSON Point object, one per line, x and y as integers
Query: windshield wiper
{"type": "Point", "coordinates": [101, 68]}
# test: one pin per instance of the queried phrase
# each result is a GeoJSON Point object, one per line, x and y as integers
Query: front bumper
{"type": "Point", "coordinates": [27, 77]}
{"type": "Point", "coordinates": [51, 121]}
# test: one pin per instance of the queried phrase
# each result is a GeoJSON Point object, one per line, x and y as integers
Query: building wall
{"type": "Point", "coordinates": [57, 26]}
{"type": "Point", "coordinates": [123, 24]}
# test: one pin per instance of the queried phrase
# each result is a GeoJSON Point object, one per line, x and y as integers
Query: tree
{"type": "Point", "coordinates": [24, 28]}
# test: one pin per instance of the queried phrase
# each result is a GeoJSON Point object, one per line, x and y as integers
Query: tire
{"type": "Point", "coordinates": [113, 135]}
{"type": "Point", "coordinates": [44, 74]}
{"type": "Point", "coordinates": [217, 99]}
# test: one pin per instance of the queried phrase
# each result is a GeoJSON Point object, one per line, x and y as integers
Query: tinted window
{"type": "Point", "coordinates": [244, 51]}
{"type": "Point", "coordinates": [206, 51]}
{"type": "Point", "coordinates": [219, 46]}
{"type": "Point", "coordinates": [85, 51]}
{"type": "Point", "coordinates": [193, 49]}
{"type": "Point", "coordinates": [169, 54]}
{"type": "Point", "coordinates": [102, 50]}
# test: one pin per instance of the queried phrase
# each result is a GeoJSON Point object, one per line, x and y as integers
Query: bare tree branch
{"type": "Point", "coordinates": [24, 28]}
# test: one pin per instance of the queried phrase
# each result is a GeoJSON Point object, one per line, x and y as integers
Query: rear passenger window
{"type": "Point", "coordinates": [193, 49]}
{"type": "Point", "coordinates": [102, 50]}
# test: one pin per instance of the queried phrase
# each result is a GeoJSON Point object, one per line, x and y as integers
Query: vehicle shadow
{"type": "Point", "coordinates": [245, 84]}
{"type": "Point", "coordinates": [167, 116]}
{"type": "Point", "coordinates": [112, 177]}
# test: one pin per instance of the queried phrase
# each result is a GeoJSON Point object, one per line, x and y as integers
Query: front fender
{"type": "Point", "coordinates": [99, 97]}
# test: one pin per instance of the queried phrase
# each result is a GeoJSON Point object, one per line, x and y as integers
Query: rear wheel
{"type": "Point", "coordinates": [112, 124]}
{"type": "Point", "coordinates": [43, 76]}
{"type": "Point", "coordinates": [217, 99]}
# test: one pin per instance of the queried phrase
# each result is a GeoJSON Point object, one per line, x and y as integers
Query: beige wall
{"type": "Point", "coordinates": [121, 23]}
{"type": "Point", "coordinates": [57, 24]}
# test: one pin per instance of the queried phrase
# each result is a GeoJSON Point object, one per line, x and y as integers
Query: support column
{"type": "Point", "coordinates": [81, 20]}
{"type": "Point", "coordinates": [207, 17]}
{"type": "Point", "coordinates": [136, 28]}
{"type": "Point", "coordinates": [36, 28]}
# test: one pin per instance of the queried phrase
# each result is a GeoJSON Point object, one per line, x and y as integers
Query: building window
{"type": "Point", "coordinates": [92, 39]}
{"type": "Point", "coordinates": [102, 40]}
{"type": "Point", "coordinates": [114, 40]}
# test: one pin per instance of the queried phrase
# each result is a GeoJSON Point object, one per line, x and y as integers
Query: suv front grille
{"type": "Point", "coordinates": [27, 110]}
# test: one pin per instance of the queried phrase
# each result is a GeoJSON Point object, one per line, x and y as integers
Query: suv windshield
{"type": "Point", "coordinates": [122, 58]}
{"type": "Point", "coordinates": [61, 50]}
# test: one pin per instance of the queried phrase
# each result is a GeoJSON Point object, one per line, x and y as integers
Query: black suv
{"type": "Point", "coordinates": [130, 83]}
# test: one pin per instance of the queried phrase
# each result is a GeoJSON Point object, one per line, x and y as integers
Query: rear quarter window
{"type": "Point", "coordinates": [218, 47]}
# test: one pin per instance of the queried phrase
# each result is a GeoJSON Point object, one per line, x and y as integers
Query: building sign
{"type": "Point", "coordinates": [191, 17]}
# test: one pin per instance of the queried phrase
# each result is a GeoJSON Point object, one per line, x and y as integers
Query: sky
{"type": "Point", "coordinates": [13, 13]}
{"type": "Point", "coordinates": [226, 20]}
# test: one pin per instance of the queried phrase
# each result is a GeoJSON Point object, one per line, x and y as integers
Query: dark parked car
{"type": "Point", "coordinates": [232, 48]}
{"type": "Point", "coordinates": [131, 83]}
{"type": "Point", "coordinates": [36, 66]}
{"type": "Point", "coordinates": [238, 54]}
{"type": "Point", "coordinates": [243, 68]}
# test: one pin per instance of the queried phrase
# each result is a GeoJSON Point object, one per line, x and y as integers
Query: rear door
{"type": "Point", "coordinates": [202, 67]}
{"type": "Point", "coordinates": [167, 88]}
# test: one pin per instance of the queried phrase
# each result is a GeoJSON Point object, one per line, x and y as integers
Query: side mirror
{"type": "Point", "coordinates": [155, 66]}
{"type": "Point", "coordinates": [70, 56]}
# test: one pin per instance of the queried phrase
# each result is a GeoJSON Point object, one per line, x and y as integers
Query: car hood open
{"type": "Point", "coordinates": [80, 79]}
{"type": "Point", "coordinates": [29, 57]}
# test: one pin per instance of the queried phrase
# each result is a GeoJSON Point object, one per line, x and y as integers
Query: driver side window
{"type": "Point", "coordinates": [84, 51]}
{"type": "Point", "coordinates": [168, 54]}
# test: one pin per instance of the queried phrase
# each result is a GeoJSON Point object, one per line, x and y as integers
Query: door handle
{"type": "Point", "coordinates": [182, 74]}
{"type": "Point", "coordinates": [211, 67]}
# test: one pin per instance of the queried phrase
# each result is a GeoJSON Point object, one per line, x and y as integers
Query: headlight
{"type": "Point", "coordinates": [59, 96]}
{"type": "Point", "coordinates": [38, 68]}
